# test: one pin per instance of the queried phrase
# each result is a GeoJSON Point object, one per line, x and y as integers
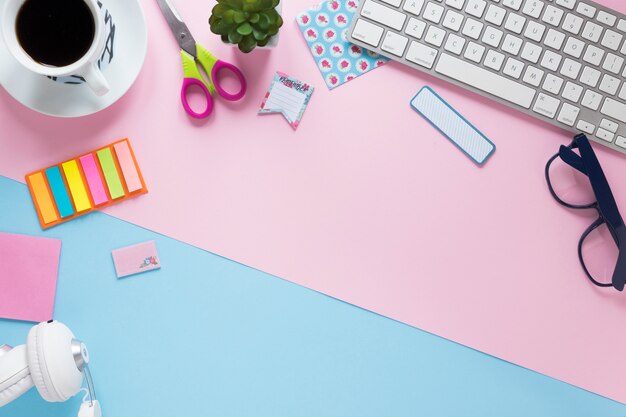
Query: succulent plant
{"type": "Point", "coordinates": [247, 23]}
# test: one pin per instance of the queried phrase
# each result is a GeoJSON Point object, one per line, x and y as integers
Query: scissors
{"type": "Point", "coordinates": [194, 54]}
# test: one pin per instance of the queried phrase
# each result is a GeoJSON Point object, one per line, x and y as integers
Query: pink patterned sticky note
{"type": "Point", "coordinates": [136, 259]}
{"type": "Point", "coordinates": [28, 276]}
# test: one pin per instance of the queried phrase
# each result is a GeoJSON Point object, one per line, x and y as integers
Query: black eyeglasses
{"type": "Point", "coordinates": [577, 181]}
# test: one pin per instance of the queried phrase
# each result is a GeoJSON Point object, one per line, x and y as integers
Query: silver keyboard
{"type": "Point", "coordinates": [560, 61]}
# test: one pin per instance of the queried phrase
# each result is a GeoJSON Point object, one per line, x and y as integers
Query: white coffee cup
{"type": "Point", "coordinates": [86, 66]}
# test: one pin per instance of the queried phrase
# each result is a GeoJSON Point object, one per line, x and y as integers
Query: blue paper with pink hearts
{"type": "Point", "coordinates": [325, 28]}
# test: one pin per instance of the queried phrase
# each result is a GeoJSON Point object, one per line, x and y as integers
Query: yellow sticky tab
{"type": "Point", "coordinates": [42, 197]}
{"type": "Point", "coordinates": [77, 186]}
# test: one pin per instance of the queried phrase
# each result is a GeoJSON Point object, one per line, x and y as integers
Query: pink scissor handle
{"type": "Point", "coordinates": [221, 65]}
{"type": "Point", "coordinates": [188, 82]}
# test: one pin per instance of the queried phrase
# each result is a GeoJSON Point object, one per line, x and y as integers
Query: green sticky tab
{"type": "Point", "coordinates": [110, 173]}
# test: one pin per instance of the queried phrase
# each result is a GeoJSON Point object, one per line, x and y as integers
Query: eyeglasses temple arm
{"type": "Point", "coordinates": [572, 159]}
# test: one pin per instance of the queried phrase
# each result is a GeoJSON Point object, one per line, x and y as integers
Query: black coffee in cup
{"type": "Point", "coordinates": [56, 33]}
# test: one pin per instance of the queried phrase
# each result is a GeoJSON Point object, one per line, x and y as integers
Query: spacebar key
{"type": "Point", "coordinates": [485, 80]}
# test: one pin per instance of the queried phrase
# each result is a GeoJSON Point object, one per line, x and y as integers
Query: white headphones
{"type": "Point", "coordinates": [53, 361]}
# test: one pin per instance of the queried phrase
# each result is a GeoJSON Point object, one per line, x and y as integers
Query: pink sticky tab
{"type": "Point", "coordinates": [136, 259]}
{"type": "Point", "coordinates": [129, 169]}
{"type": "Point", "coordinates": [93, 179]}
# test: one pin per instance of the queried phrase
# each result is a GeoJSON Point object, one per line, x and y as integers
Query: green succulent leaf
{"type": "Point", "coordinates": [254, 18]}
{"type": "Point", "coordinates": [247, 44]}
{"type": "Point", "coordinates": [259, 35]}
{"type": "Point", "coordinates": [234, 37]}
{"type": "Point", "coordinates": [244, 29]}
{"type": "Point", "coordinates": [239, 16]}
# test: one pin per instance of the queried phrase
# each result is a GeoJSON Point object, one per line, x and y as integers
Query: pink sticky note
{"type": "Point", "coordinates": [129, 169]}
{"type": "Point", "coordinates": [93, 179]}
{"type": "Point", "coordinates": [28, 276]}
{"type": "Point", "coordinates": [135, 259]}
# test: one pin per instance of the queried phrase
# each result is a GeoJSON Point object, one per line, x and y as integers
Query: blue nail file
{"type": "Point", "coordinates": [454, 126]}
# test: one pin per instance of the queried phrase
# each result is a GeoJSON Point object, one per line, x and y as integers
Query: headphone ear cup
{"type": "Point", "coordinates": [52, 367]}
{"type": "Point", "coordinates": [15, 377]}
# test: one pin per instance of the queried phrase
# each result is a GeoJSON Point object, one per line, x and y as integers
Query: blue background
{"type": "Point", "coordinates": [208, 336]}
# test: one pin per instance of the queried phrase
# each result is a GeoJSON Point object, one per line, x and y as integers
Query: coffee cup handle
{"type": "Point", "coordinates": [95, 80]}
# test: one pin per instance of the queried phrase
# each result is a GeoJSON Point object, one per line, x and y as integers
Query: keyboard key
{"type": "Point", "coordinates": [614, 109]}
{"type": "Point", "coordinates": [592, 100]}
{"type": "Point", "coordinates": [609, 125]}
{"type": "Point", "coordinates": [413, 6]}
{"type": "Point", "coordinates": [546, 105]}
{"type": "Point", "coordinates": [435, 36]}
{"type": "Point", "coordinates": [554, 39]}
{"type": "Point", "coordinates": [593, 55]}
{"type": "Point", "coordinates": [572, 23]}
{"type": "Point", "coordinates": [531, 52]}
{"type": "Point", "coordinates": [533, 8]}
{"type": "Point", "coordinates": [485, 80]}
{"type": "Point", "coordinates": [592, 32]}
{"type": "Point", "coordinates": [574, 47]}
{"type": "Point", "coordinates": [457, 4]}
{"type": "Point", "coordinates": [586, 9]}
{"type": "Point", "coordinates": [472, 28]}
{"type": "Point", "coordinates": [622, 93]}
{"type": "Point", "coordinates": [572, 92]}
{"type": "Point", "coordinates": [533, 76]}
{"type": "Point", "coordinates": [476, 8]}
{"type": "Point", "coordinates": [610, 85]}
{"type": "Point", "coordinates": [474, 52]}
{"type": "Point", "coordinates": [515, 23]}
{"type": "Point", "coordinates": [622, 25]}
{"type": "Point", "coordinates": [415, 28]}
{"type": "Point", "coordinates": [612, 40]}
{"type": "Point", "coordinates": [433, 12]}
{"type": "Point", "coordinates": [605, 135]}
{"type": "Point", "coordinates": [568, 114]}
{"type": "Point", "coordinates": [495, 15]}
{"type": "Point", "coordinates": [613, 63]}
{"type": "Point", "coordinates": [494, 60]}
{"type": "Point", "coordinates": [367, 32]}
{"type": "Point", "coordinates": [534, 31]}
{"type": "Point", "coordinates": [453, 20]}
{"type": "Point", "coordinates": [553, 84]}
{"type": "Point", "coordinates": [421, 54]}
{"type": "Point", "coordinates": [512, 44]}
{"type": "Point", "coordinates": [552, 16]}
{"type": "Point", "coordinates": [513, 68]}
{"type": "Point", "coordinates": [590, 77]}
{"type": "Point", "coordinates": [606, 18]}
{"type": "Point", "coordinates": [383, 14]}
{"type": "Point", "coordinates": [621, 141]}
{"type": "Point", "coordinates": [569, 4]}
{"type": "Point", "coordinates": [455, 44]}
{"type": "Point", "coordinates": [586, 127]}
{"type": "Point", "coordinates": [571, 68]}
{"type": "Point", "coordinates": [551, 60]}
{"type": "Point", "coordinates": [394, 43]}
{"type": "Point", "coordinates": [512, 4]}
{"type": "Point", "coordinates": [394, 3]}
{"type": "Point", "coordinates": [492, 36]}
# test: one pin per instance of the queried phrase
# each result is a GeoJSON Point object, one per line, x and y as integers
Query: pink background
{"type": "Point", "coordinates": [365, 201]}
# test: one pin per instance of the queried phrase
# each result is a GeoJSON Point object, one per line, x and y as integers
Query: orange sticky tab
{"type": "Point", "coordinates": [42, 197]}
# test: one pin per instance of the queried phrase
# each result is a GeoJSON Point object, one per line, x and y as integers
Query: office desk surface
{"type": "Point", "coordinates": [365, 201]}
{"type": "Point", "coordinates": [208, 336]}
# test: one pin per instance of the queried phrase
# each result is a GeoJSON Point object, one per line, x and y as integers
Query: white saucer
{"type": "Point", "coordinates": [61, 100]}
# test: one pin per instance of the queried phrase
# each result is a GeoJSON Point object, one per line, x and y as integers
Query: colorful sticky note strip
{"type": "Point", "coordinates": [287, 96]}
{"type": "Point", "coordinates": [96, 179]}
{"type": "Point", "coordinates": [325, 29]}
